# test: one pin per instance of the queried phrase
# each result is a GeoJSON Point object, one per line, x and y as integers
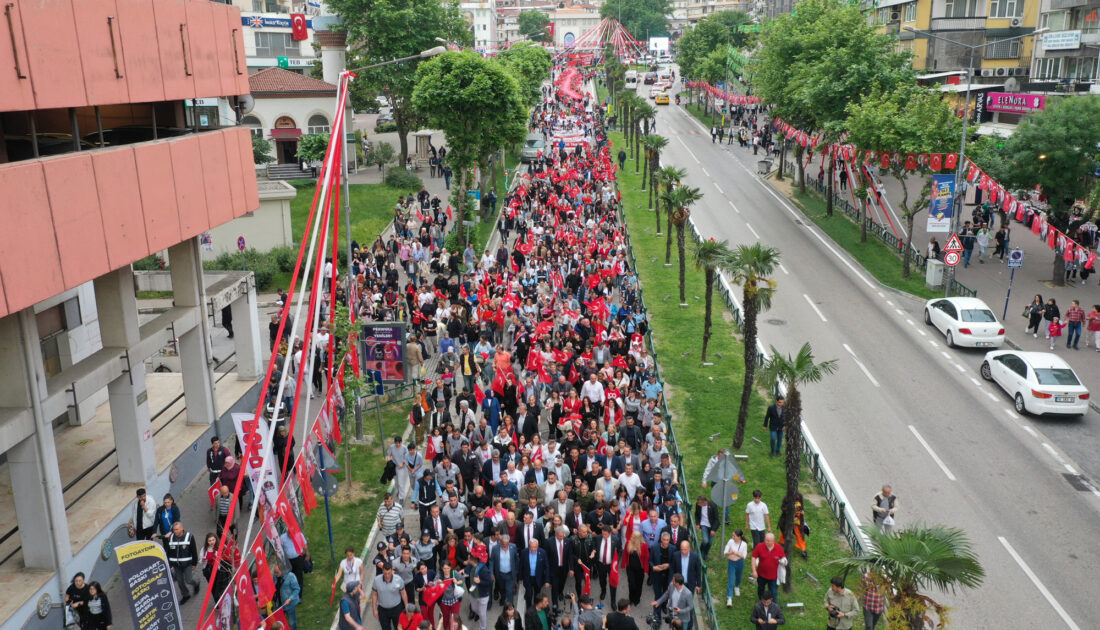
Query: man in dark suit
{"type": "Point", "coordinates": [600, 517]}
{"type": "Point", "coordinates": [535, 571]}
{"type": "Point", "coordinates": [621, 619]}
{"type": "Point", "coordinates": [576, 518]}
{"type": "Point", "coordinates": [559, 553]}
{"type": "Point", "coordinates": [607, 548]}
{"type": "Point", "coordinates": [584, 552]}
{"type": "Point", "coordinates": [505, 562]}
{"type": "Point", "coordinates": [528, 530]}
{"type": "Point", "coordinates": [434, 524]}
{"type": "Point", "coordinates": [676, 531]}
{"type": "Point", "coordinates": [688, 564]}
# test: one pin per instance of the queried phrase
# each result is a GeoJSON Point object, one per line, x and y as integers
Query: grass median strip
{"type": "Point", "coordinates": [703, 401]}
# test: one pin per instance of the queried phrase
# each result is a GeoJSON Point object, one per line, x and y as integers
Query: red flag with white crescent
{"type": "Point", "coordinates": [214, 491]}
{"type": "Point", "coordinates": [309, 498]}
{"type": "Point", "coordinates": [247, 611]}
{"type": "Point", "coordinates": [283, 509]}
{"type": "Point", "coordinates": [278, 616]}
{"type": "Point", "coordinates": [264, 580]}
{"type": "Point", "coordinates": [298, 30]}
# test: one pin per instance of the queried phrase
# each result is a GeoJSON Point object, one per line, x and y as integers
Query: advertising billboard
{"type": "Point", "coordinates": [148, 586]}
{"type": "Point", "coordinates": [382, 347]}
{"type": "Point", "coordinates": [1015, 103]}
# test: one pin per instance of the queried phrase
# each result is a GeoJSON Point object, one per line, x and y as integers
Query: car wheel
{"type": "Point", "coordinates": [927, 317]}
{"type": "Point", "coordinates": [1020, 406]}
{"type": "Point", "coordinates": [987, 373]}
{"type": "Point", "coordinates": [950, 340]}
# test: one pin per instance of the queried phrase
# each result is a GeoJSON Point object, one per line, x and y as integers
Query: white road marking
{"type": "Point", "coordinates": [935, 458]}
{"type": "Point", "coordinates": [812, 305]}
{"type": "Point", "coordinates": [881, 294]}
{"type": "Point", "coordinates": [975, 381]}
{"type": "Point", "coordinates": [1039, 585]}
{"type": "Point", "coordinates": [1070, 469]}
{"type": "Point", "coordinates": [704, 171]}
{"type": "Point", "coordinates": [945, 355]}
{"type": "Point", "coordinates": [866, 372]}
{"type": "Point", "coordinates": [911, 322]}
{"type": "Point", "coordinates": [922, 333]}
{"type": "Point", "coordinates": [899, 312]}
{"type": "Point", "coordinates": [753, 231]}
{"type": "Point", "coordinates": [1053, 453]}
{"type": "Point", "coordinates": [734, 208]}
{"type": "Point", "coordinates": [688, 150]}
{"type": "Point", "coordinates": [719, 188]}
{"type": "Point", "coordinates": [991, 396]}
{"type": "Point", "coordinates": [1031, 432]}
{"type": "Point", "coordinates": [784, 269]}
{"type": "Point", "coordinates": [889, 303]}
{"type": "Point", "coordinates": [959, 368]}
{"type": "Point", "coordinates": [795, 214]}
{"type": "Point", "coordinates": [934, 344]}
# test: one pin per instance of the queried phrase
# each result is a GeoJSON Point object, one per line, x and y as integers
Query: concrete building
{"type": "Point", "coordinates": [572, 22]}
{"type": "Point", "coordinates": [481, 17]}
{"type": "Point", "coordinates": [263, 229]}
{"type": "Point", "coordinates": [287, 106]}
{"type": "Point", "coordinates": [686, 12]}
{"type": "Point", "coordinates": [1067, 58]}
{"type": "Point", "coordinates": [103, 163]}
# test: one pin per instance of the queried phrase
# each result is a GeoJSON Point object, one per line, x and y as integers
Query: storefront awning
{"type": "Point", "coordinates": [286, 134]}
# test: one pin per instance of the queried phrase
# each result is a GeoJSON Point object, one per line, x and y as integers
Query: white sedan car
{"type": "Point", "coordinates": [965, 322]}
{"type": "Point", "coordinates": [1039, 382]}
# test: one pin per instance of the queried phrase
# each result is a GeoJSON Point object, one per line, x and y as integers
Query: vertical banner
{"type": "Point", "coordinates": [383, 348]}
{"type": "Point", "coordinates": [148, 586]}
{"type": "Point", "coordinates": [941, 203]}
{"type": "Point", "coordinates": [265, 483]}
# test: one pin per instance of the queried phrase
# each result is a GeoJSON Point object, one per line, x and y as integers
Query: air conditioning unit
{"type": "Point", "coordinates": [1017, 21]}
{"type": "Point", "coordinates": [1001, 72]}
{"type": "Point", "coordinates": [1021, 72]}
{"type": "Point", "coordinates": [987, 72]}
{"type": "Point", "coordinates": [895, 16]}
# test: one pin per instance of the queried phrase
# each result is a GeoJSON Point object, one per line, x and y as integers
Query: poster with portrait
{"type": "Point", "coordinates": [382, 347]}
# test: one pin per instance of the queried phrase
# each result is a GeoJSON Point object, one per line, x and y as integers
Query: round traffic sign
{"type": "Point", "coordinates": [240, 243]}
{"type": "Point", "coordinates": [951, 259]}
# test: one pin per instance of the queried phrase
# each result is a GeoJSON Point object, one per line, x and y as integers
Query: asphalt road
{"type": "Point", "coordinates": [906, 410]}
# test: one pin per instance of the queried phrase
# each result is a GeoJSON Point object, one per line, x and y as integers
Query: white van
{"type": "Point", "coordinates": [631, 79]}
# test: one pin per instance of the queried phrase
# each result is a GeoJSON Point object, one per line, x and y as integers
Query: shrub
{"type": "Point", "coordinates": [386, 128]}
{"type": "Point", "coordinates": [265, 266]}
{"type": "Point", "coordinates": [284, 257]}
{"type": "Point", "coordinates": [400, 178]}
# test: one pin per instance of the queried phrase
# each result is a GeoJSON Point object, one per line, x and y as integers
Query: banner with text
{"type": "Point", "coordinates": [940, 206]}
{"type": "Point", "coordinates": [265, 482]}
{"type": "Point", "coordinates": [147, 583]}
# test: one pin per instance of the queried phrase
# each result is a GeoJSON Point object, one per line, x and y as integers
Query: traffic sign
{"type": "Point", "coordinates": [724, 469]}
{"type": "Point", "coordinates": [724, 493]}
{"type": "Point", "coordinates": [953, 244]}
{"type": "Point", "coordinates": [951, 259]}
{"type": "Point", "coordinates": [240, 243]}
{"type": "Point", "coordinates": [1016, 259]}
{"type": "Point", "coordinates": [374, 380]}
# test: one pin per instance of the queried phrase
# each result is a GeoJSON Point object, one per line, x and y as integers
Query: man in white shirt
{"type": "Point", "coordinates": [631, 481]}
{"type": "Point", "coordinates": [757, 519]}
{"type": "Point", "coordinates": [593, 395]}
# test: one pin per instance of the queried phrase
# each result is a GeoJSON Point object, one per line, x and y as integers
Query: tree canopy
{"type": "Point", "coordinates": [906, 119]}
{"type": "Point", "coordinates": [711, 33]}
{"type": "Point", "coordinates": [816, 61]}
{"type": "Point", "coordinates": [380, 30]}
{"type": "Point", "coordinates": [532, 25]}
{"type": "Point", "coordinates": [641, 18]}
{"type": "Point", "coordinates": [530, 65]}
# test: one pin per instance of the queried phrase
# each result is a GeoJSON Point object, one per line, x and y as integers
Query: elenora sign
{"type": "Point", "coordinates": [1014, 103]}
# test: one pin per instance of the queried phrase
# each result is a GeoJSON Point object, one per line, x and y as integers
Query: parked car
{"type": "Point", "coordinates": [965, 321]}
{"type": "Point", "coordinates": [383, 119]}
{"type": "Point", "coordinates": [532, 146]}
{"type": "Point", "coordinates": [1038, 382]}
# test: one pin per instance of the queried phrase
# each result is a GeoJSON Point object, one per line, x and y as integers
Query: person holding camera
{"type": "Point", "coordinates": [681, 601]}
{"type": "Point", "coordinates": [620, 619]}
{"type": "Point", "coordinates": [841, 604]}
{"type": "Point", "coordinates": [767, 614]}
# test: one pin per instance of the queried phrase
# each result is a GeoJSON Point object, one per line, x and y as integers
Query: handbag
{"type": "Point", "coordinates": [459, 591]}
{"type": "Point", "coordinates": [72, 622]}
{"type": "Point", "coordinates": [307, 564]}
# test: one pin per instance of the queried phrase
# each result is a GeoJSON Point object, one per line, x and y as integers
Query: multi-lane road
{"type": "Point", "coordinates": [906, 410]}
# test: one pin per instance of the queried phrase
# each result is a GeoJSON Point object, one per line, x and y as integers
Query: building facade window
{"type": "Point", "coordinates": [1047, 68]}
{"type": "Point", "coordinates": [1005, 8]}
{"type": "Point", "coordinates": [255, 127]}
{"type": "Point", "coordinates": [960, 8]}
{"type": "Point", "coordinates": [909, 13]}
{"type": "Point", "coordinates": [1002, 49]}
{"type": "Point", "coordinates": [318, 124]}
{"type": "Point", "coordinates": [276, 45]}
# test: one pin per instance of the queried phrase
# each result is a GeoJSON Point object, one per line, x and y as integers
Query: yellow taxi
{"type": "Point", "coordinates": [661, 99]}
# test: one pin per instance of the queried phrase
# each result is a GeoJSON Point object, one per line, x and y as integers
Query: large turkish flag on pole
{"type": "Point", "coordinates": [298, 27]}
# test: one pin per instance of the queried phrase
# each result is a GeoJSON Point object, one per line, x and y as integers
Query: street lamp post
{"type": "Point", "coordinates": [431, 52]}
{"type": "Point", "coordinates": [958, 201]}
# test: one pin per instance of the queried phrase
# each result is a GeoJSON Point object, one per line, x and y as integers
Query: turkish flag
{"type": "Point", "coordinates": [1068, 253]}
{"type": "Point", "coordinates": [618, 362]}
{"type": "Point", "coordinates": [587, 590]}
{"type": "Point", "coordinates": [247, 611]}
{"type": "Point", "coordinates": [283, 509]}
{"type": "Point", "coordinates": [478, 394]}
{"type": "Point", "coordinates": [951, 160]}
{"type": "Point", "coordinates": [935, 161]}
{"type": "Point", "coordinates": [298, 27]}
{"type": "Point", "coordinates": [973, 173]}
{"type": "Point", "coordinates": [214, 491]}
{"type": "Point", "coordinates": [263, 572]}
{"type": "Point", "coordinates": [278, 616]}
{"type": "Point", "coordinates": [884, 157]}
{"type": "Point", "coordinates": [534, 361]}
{"type": "Point", "coordinates": [434, 592]}
{"type": "Point", "coordinates": [1051, 237]}
{"type": "Point", "coordinates": [429, 451]}
{"type": "Point", "coordinates": [499, 382]}
{"type": "Point", "coordinates": [613, 578]}
{"type": "Point", "coordinates": [910, 162]}
{"type": "Point", "coordinates": [309, 499]}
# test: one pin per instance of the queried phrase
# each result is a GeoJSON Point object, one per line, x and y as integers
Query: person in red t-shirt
{"type": "Point", "coordinates": [766, 559]}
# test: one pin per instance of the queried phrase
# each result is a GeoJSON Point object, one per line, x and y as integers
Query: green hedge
{"type": "Point", "coordinates": [400, 178]}
{"type": "Point", "coordinates": [385, 128]}
{"type": "Point", "coordinates": [266, 266]}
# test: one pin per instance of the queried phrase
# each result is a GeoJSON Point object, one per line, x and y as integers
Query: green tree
{"type": "Point", "coordinates": [382, 157]}
{"type": "Point", "coordinates": [1057, 150]}
{"type": "Point", "coordinates": [530, 65]}
{"type": "Point", "coordinates": [312, 147]}
{"type": "Point", "coordinates": [477, 104]}
{"type": "Point", "coordinates": [654, 144]}
{"type": "Point", "coordinates": [668, 177]}
{"type": "Point", "coordinates": [714, 32]}
{"type": "Point", "coordinates": [907, 119]}
{"type": "Point", "coordinates": [816, 61]}
{"type": "Point", "coordinates": [680, 199]}
{"type": "Point", "coordinates": [911, 561]}
{"type": "Point", "coordinates": [381, 30]}
{"type": "Point", "coordinates": [794, 372]}
{"type": "Point", "coordinates": [532, 25]}
{"type": "Point", "coordinates": [261, 151]}
{"type": "Point", "coordinates": [751, 266]}
{"type": "Point", "coordinates": [709, 255]}
{"type": "Point", "coordinates": [641, 18]}
{"type": "Point", "coordinates": [643, 114]}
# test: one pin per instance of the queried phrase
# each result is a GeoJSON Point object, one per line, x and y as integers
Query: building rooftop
{"type": "Point", "coordinates": [270, 81]}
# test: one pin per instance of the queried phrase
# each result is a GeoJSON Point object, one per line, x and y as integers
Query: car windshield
{"type": "Point", "coordinates": [1056, 376]}
{"type": "Point", "coordinates": [978, 315]}
{"type": "Point", "coordinates": [533, 143]}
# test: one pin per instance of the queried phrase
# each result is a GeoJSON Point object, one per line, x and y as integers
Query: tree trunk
{"type": "Point", "coordinates": [909, 216]}
{"type": "Point", "coordinates": [637, 146]}
{"type": "Point", "coordinates": [829, 187]}
{"type": "Point", "coordinates": [706, 310]}
{"type": "Point", "coordinates": [748, 332]}
{"type": "Point", "coordinates": [683, 259]}
{"type": "Point", "coordinates": [403, 139]}
{"type": "Point", "coordinates": [668, 236]}
{"type": "Point", "coordinates": [645, 170]}
{"type": "Point", "coordinates": [863, 223]}
{"type": "Point", "coordinates": [782, 155]}
{"type": "Point", "coordinates": [800, 168]}
{"type": "Point", "coordinates": [792, 419]}
{"type": "Point", "coordinates": [1059, 270]}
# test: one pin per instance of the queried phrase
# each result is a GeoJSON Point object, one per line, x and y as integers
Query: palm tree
{"type": "Point", "coordinates": [644, 112]}
{"type": "Point", "coordinates": [709, 255]}
{"type": "Point", "coordinates": [910, 561]}
{"type": "Point", "coordinates": [681, 198]}
{"type": "Point", "coordinates": [751, 267]}
{"type": "Point", "coordinates": [654, 146]}
{"type": "Point", "coordinates": [668, 177]}
{"type": "Point", "coordinates": [647, 140]}
{"type": "Point", "coordinates": [793, 371]}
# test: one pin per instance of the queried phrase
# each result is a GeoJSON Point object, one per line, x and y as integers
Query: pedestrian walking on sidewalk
{"type": "Point", "coordinates": [1051, 313]}
{"type": "Point", "coordinates": [1054, 330]}
{"type": "Point", "coordinates": [983, 242]}
{"type": "Point", "coordinates": [1093, 327]}
{"type": "Point", "coordinates": [1034, 314]}
{"type": "Point", "coordinates": [1001, 237]}
{"type": "Point", "coordinates": [966, 236]}
{"type": "Point", "coordinates": [713, 134]}
{"type": "Point", "coordinates": [1075, 316]}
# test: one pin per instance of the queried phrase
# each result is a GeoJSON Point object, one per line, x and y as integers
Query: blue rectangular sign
{"type": "Point", "coordinates": [940, 206]}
